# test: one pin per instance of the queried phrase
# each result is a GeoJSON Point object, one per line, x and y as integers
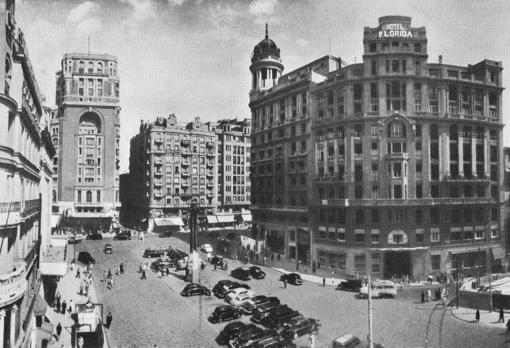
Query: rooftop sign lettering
{"type": "Point", "coordinates": [394, 30]}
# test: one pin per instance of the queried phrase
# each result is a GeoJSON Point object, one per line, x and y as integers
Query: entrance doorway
{"type": "Point", "coordinates": [397, 263]}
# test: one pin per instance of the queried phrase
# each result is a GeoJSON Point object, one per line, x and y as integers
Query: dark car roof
{"type": "Point", "coordinates": [108, 245]}
{"type": "Point", "coordinates": [84, 253]}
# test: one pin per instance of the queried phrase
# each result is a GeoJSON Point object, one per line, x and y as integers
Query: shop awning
{"type": "Point", "coordinates": [246, 217]}
{"type": "Point", "coordinates": [40, 306]}
{"type": "Point", "coordinates": [55, 220]}
{"type": "Point", "coordinates": [225, 218]}
{"type": "Point", "coordinates": [398, 249]}
{"type": "Point", "coordinates": [170, 221]}
{"type": "Point", "coordinates": [90, 215]}
{"type": "Point", "coordinates": [211, 219]}
{"type": "Point", "coordinates": [467, 250]}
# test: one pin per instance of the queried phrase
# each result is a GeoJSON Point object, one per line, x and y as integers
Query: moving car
{"type": "Point", "coordinates": [379, 288]}
{"type": "Point", "coordinates": [206, 248]}
{"type": "Point", "coordinates": [350, 285]}
{"type": "Point", "coordinates": [292, 278]}
{"type": "Point", "coordinates": [195, 289]}
{"type": "Point", "coordinates": [237, 292]}
{"type": "Point", "coordinates": [232, 330]}
{"type": "Point", "coordinates": [298, 326]}
{"type": "Point", "coordinates": [257, 273]}
{"type": "Point", "coordinates": [86, 258]}
{"type": "Point", "coordinates": [223, 286]}
{"type": "Point", "coordinates": [108, 249]}
{"type": "Point", "coordinates": [153, 253]}
{"type": "Point", "coordinates": [94, 235]}
{"type": "Point", "coordinates": [123, 235]}
{"type": "Point", "coordinates": [241, 273]}
{"type": "Point", "coordinates": [224, 313]}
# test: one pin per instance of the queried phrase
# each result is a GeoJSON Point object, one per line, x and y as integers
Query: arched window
{"type": "Point", "coordinates": [90, 68]}
{"type": "Point", "coordinates": [90, 123]}
{"type": "Point", "coordinates": [89, 197]}
{"type": "Point", "coordinates": [81, 67]}
{"type": "Point", "coordinates": [100, 67]}
{"type": "Point", "coordinates": [396, 129]}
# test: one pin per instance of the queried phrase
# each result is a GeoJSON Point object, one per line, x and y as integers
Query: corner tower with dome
{"type": "Point", "coordinates": [390, 167]}
{"type": "Point", "coordinates": [266, 65]}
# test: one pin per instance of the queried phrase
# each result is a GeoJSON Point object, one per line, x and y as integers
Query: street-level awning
{"type": "Point", "coordinates": [211, 219]}
{"type": "Point", "coordinates": [40, 306]}
{"type": "Point", "coordinates": [399, 249]}
{"type": "Point", "coordinates": [467, 250]}
{"type": "Point", "coordinates": [55, 220]}
{"type": "Point", "coordinates": [169, 221]}
{"type": "Point", "coordinates": [246, 217]}
{"type": "Point", "coordinates": [90, 215]}
{"type": "Point", "coordinates": [225, 218]}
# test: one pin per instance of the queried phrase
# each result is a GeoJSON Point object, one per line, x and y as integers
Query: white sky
{"type": "Point", "coordinates": [192, 57]}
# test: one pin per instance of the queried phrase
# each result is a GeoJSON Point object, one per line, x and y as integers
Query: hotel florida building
{"type": "Point", "coordinates": [400, 159]}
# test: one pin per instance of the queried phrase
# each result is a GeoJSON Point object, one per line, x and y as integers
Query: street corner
{"type": "Point", "coordinates": [486, 318]}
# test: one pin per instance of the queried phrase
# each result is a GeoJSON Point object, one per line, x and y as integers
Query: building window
{"type": "Point", "coordinates": [359, 236]}
{"type": "Point", "coordinates": [436, 262]}
{"type": "Point", "coordinates": [375, 236]}
{"type": "Point", "coordinates": [434, 235]}
{"type": "Point", "coordinates": [88, 197]}
{"type": "Point", "coordinates": [359, 263]}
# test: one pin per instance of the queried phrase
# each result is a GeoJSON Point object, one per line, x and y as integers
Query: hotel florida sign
{"type": "Point", "coordinates": [394, 30]}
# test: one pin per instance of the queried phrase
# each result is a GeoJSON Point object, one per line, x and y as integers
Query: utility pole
{"type": "Point", "coordinates": [489, 271]}
{"type": "Point", "coordinates": [370, 342]}
{"type": "Point", "coordinates": [457, 287]}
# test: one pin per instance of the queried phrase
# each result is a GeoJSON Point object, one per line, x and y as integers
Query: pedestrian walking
{"type": "Point", "coordinates": [477, 315]}
{"type": "Point", "coordinates": [72, 265]}
{"type": "Point", "coordinates": [86, 293]}
{"type": "Point", "coordinates": [324, 281]}
{"type": "Point", "coordinates": [64, 307]}
{"type": "Point", "coordinates": [501, 315]}
{"type": "Point", "coordinates": [285, 283]}
{"type": "Point", "coordinates": [110, 275]}
{"type": "Point", "coordinates": [423, 296]}
{"type": "Point", "coordinates": [71, 306]}
{"type": "Point", "coordinates": [143, 274]}
{"type": "Point", "coordinates": [81, 288]}
{"type": "Point", "coordinates": [429, 294]}
{"type": "Point", "coordinates": [59, 331]}
{"type": "Point", "coordinates": [57, 298]}
{"type": "Point", "coordinates": [117, 271]}
{"type": "Point", "coordinates": [508, 325]}
{"type": "Point", "coordinates": [80, 342]}
{"type": "Point", "coordinates": [78, 272]}
{"type": "Point", "coordinates": [109, 319]}
{"type": "Point", "coordinates": [121, 267]}
{"type": "Point", "coordinates": [311, 340]}
{"type": "Point", "coordinates": [215, 266]}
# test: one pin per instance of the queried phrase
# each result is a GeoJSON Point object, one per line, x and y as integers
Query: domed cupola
{"type": "Point", "coordinates": [266, 64]}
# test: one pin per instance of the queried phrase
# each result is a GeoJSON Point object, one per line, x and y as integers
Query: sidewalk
{"type": "Point", "coordinates": [486, 319]}
{"type": "Point", "coordinates": [69, 286]}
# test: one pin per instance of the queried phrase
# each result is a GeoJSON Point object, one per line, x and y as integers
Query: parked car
{"type": "Point", "coordinates": [292, 278]}
{"type": "Point", "coordinates": [161, 265]}
{"type": "Point", "coordinates": [195, 289]}
{"type": "Point", "coordinates": [264, 311]}
{"type": "Point", "coordinates": [379, 288]}
{"type": "Point", "coordinates": [237, 292]}
{"type": "Point", "coordinates": [231, 331]}
{"type": "Point", "coordinates": [241, 273]}
{"type": "Point", "coordinates": [226, 285]}
{"type": "Point", "coordinates": [279, 316]}
{"type": "Point", "coordinates": [249, 332]}
{"type": "Point", "coordinates": [250, 306]}
{"type": "Point", "coordinates": [94, 235]}
{"type": "Point", "coordinates": [123, 235]}
{"type": "Point", "coordinates": [224, 313]}
{"type": "Point", "coordinates": [240, 299]}
{"type": "Point", "coordinates": [153, 253]}
{"type": "Point", "coordinates": [206, 248]}
{"type": "Point", "coordinates": [217, 260]}
{"type": "Point", "coordinates": [250, 339]}
{"type": "Point", "coordinates": [276, 342]}
{"type": "Point", "coordinates": [86, 258]}
{"type": "Point", "coordinates": [257, 273]}
{"type": "Point", "coordinates": [350, 285]}
{"type": "Point", "coordinates": [350, 341]}
{"type": "Point", "coordinates": [108, 249]}
{"type": "Point", "coordinates": [298, 326]}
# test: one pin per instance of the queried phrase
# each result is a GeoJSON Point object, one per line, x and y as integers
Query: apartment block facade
{"type": "Point", "coordinates": [86, 131]}
{"type": "Point", "coordinates": [26, 155]}
{"type": "Point", "coordinates": [405, 171]}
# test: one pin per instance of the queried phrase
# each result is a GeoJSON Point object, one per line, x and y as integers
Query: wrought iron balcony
{"type": "Point", "coordinates": [13, 284]}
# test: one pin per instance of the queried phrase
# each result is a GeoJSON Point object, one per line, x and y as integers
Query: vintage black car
{"type": "Point", "coordinates": [108, 249]}
{"type": "Point", "coordinates": [350, 285]}
{"type": "Point", "coordinates": [241, 273]}
{"type": "Point", "coordinates": [224, 313]}
{"type": "Point", "coordinates": [257, 301]}
{"type": "Point", "coordinates": [94, 235]}
{"type": "Point", "coordinates": [153, 253]}
{"type": "Point", "coordinates": [223, 286]}
{"type": "Point", "coordinates": [251, 338]}
{"type": "Point", "coordinates": [276, 342]}
{"type": "Point", "coordinates": [264, 310]}
{"type": "Point", "coordinates": [86, 258]}
{"type": "Point", "coordinates": [217, 260]}
{"type": "Point", "coordinates": [195, 289]}
{"type": "Point", "coordinates": [231, 331]}
{"type": "Point", "coordinates": [279, 316]}
{"type": "Point", "coordinates": [292, 278]}
{"type": "Point", "coordinates": [298, 326]}
{"type": "Point", "coordinates": [123, 235]}
{"type": "Point", "coordinates": [162, 265]}
{"type": "Point", "coordinates": [257, 273]}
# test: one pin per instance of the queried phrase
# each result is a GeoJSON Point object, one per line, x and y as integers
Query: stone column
{"type": "Point", "coordinates": [473, 153]}
{"type": "Point", "coordinates": [2, 318]}
{"type": "Point", "coordinates": [12, 330]}
{"type": "Point", "coordinates": [486, 152]}
{"type": "Point", "coordinates": [461, 153]}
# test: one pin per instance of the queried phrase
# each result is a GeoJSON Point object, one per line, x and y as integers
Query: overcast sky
{"type": "Point", "coordinates": [192, 57]}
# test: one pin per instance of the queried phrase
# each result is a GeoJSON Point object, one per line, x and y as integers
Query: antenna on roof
{"type": "Point", "coordinates": [88, 47]}
{"type": "Point", "coordinates": [267, 35]}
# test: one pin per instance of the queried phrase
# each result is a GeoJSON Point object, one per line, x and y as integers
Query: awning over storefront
{"type": "Point", "coordinates": [55, 220]}
{"type": "Point", "coordinates": [40, 306]}
{"type": "Point", "coordinates": [225, 218]}
{"type": "Point", "coordinates": [246, 217]}
{"type": "Point", "coordinates": [170, 221]}
{"type": "Point", "coordinates": [399, 249]}
{"type": "Point", "coordinates": [467, 250]}
{"type": "Point", "coordinates": [211, 219]}
{"type": "Point", "coordinates": [90, 215]}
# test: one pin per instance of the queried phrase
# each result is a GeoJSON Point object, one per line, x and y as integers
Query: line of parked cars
{"type": "Point", "coordinates": [243, 273]}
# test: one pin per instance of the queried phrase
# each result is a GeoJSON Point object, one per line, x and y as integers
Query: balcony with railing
{"type": "Point", "coordinates": [13, 284]}
{"type": "Point", "coordinates": [209, 144]}
{"type": "Point", "coordinates": [185, 163]}
{"type": "Point", "coordinates": [10, 213]}
{"type": "Point", "coordinates": [209, 153]}
{"type": "Point", "coordinates": [185, 183]}
{"type": "Point", "coordinates": [209, 173]}
{"type": "Point", "coordinates": [30, 208]}
{"type": "Point", "coordinates": [210, 184]}
{"type": "Point", "coordinates": [158, 140]}
{"type": "Point", "coordinates": [209, 164]}
{"type": "Point", "coordinates": [410, 201]}
{"type": "Point", "coordinates": [158, 173]}
{"type": "Point", "coordinates": [158, 183]}
{"type": "Point", "coordinates": [185, 173]}
{"type": "Point", "coordinates": [158, 161]}
{"type": "Point", "coordinates": [185, 142]}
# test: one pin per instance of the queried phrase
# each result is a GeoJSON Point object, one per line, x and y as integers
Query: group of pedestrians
{"type": "Point", "coordinates": [108, 276]}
